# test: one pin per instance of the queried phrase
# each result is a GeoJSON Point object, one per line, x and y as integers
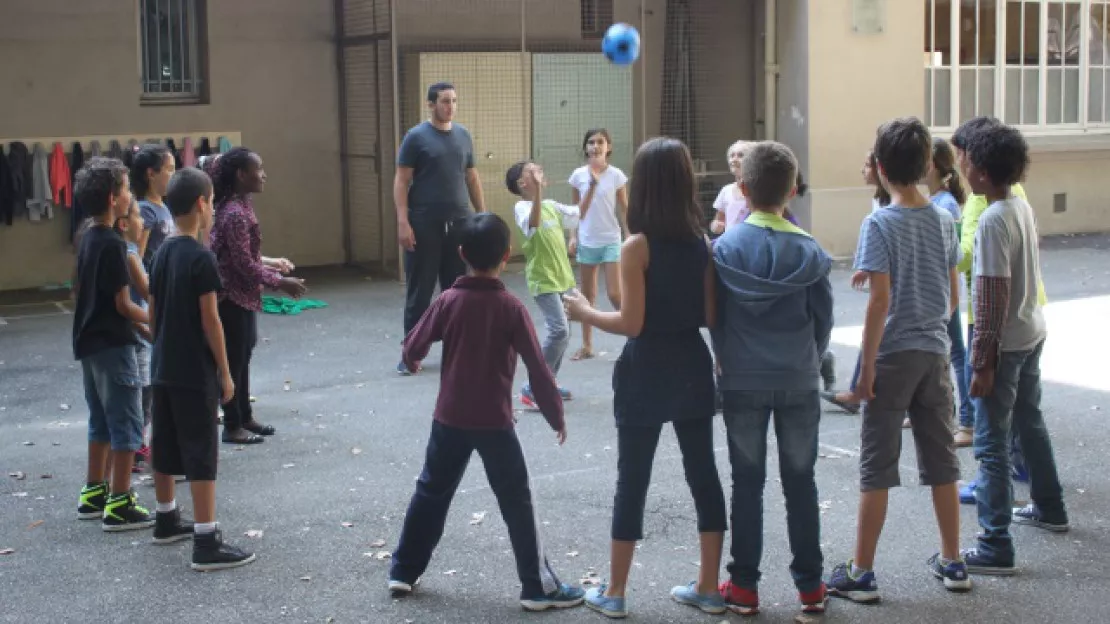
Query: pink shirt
{"type": "Point", "coordinates": [733, 204]}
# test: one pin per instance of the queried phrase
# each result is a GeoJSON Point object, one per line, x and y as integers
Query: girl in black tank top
{"type": "Point", "coordinates": [665, 371]}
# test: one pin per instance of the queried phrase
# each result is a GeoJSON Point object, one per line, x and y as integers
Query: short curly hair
{"type": "Point", "coordinates": [97, 181]}
{"type": "Point", "coordinates": [1000, 152]}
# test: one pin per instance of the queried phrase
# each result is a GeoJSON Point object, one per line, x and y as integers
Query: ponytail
{"type": "Point", "coordinates": [955, 186]}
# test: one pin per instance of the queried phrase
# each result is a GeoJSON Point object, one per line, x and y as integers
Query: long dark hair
{"type": "Point", "coordinates": [225, 173]}
{"type": "Point", "coordinates": [149, 157]}
{"type": "Point", "coordinates": [881, 195]}
{"type": "Point", "coordinates": [663, 202]}
{"type": "Point", "coordinates": [944, 161]}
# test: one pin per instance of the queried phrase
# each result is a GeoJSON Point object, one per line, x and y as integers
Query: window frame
{"type": "Point", "coordinates": [1083, 125]}
{"type": "Point", "coordinates": [197, 36]}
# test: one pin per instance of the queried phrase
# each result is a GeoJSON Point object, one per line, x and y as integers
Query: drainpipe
{"type": "Point", "coordinates": [770, 69]}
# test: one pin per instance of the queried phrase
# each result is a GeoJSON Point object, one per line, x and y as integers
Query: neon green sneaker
{"type": "Point", "coordinates": [91, 504]}
{"type": "Point", "coordinates": [123, 513]}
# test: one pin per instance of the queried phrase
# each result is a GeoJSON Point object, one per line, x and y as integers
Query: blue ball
{"type": "Point", "coordinates": [621, 44]}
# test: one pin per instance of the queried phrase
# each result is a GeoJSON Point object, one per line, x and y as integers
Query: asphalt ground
{"type": "Point", "coordinates": [351, 434]}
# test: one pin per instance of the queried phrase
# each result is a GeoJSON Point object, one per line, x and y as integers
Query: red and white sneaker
{"type": "Point", "coordinates": [740, 600]}
{"type": "Point", "coordinates": [814, 601]}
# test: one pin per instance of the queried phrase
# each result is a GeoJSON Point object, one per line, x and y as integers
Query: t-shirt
{"type": "Point", "coordinates": [547, 269]}
{"type": "Point", "coordinates": [136, 296]}
{"type": "Point", "coordinates": [101, 273]}
{"type": "Point", "coordinates": [917, 247]}
{"type": "Point", "coordinates": [945, 199]}
{"type": "Point", "coordinates": [184, 270]}
{"type": "Point", "coordinates": [733, 203]}
{"type": "Point", "coordinates": [601, 226]}
{"type": "Point", "coordinates": [439, 160]}
{"type": "Point", "coordinates": [1006, 246]}
{"type": "Point", "coordinates": [158, 220]}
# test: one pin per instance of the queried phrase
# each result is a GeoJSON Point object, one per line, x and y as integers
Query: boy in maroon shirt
{"type": "Point", "coordinates": [483, 328]}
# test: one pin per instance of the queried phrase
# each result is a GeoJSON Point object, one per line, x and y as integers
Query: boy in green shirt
{"type": "Point", "coordinates": [542, 224]}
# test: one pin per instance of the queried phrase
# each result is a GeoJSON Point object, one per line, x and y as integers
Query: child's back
{"type": "Point", "coordinates": [183, 271]}
{"type": "Point", "coordinates": [483, 328]}
{"type": "Point", "coordinates": [777, 305]}
{"type": "Point", "coordinates": [916, 247]}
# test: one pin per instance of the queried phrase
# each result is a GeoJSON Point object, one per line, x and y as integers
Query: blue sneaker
{"type": "Point", "coordinates": [953, 573]}
{"type": "Point", "coordinates": [563, 598]}
{"type": "Point", "coordinates": [863, 590]}
{"type": "Point", "coordinates": [403, 370]}
{"type": "Point", "coordinates": [967, 493]}
{"type": "Point", "coordinates": [605, 605]}
{"type": "Point", "coordinates": [529, 399]}
{"type": "Point", "coordinates": [1019, 472]}
{"type": "Point", "coordinates": [709, 603]}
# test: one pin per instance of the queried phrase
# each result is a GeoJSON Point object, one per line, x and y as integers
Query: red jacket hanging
{"type": "Point", "coordinates": [60, 179]}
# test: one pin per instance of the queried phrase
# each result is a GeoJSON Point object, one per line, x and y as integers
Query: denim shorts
{"type": "Point", "coordinates": [599, 255]}
{"type": "Point", "coordinates": [114, 396]}
{"type": "Point", "coordinates": [142, 359]}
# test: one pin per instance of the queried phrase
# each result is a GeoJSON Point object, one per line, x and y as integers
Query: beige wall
{"type": "Point", "coordinates": [71, 69]}
{"type": "Point", "coordinates": [856, 81]}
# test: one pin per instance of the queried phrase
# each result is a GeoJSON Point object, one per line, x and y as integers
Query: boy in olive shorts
{"type": "Point", "coordinates": [910, 251]}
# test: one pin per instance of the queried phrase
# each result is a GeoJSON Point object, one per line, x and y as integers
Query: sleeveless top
{"type": "Point", "coordinates": [666, 373]}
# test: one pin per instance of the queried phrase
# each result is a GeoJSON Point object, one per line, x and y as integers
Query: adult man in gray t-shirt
{"type": "Point", "coordinates": [435, 178]}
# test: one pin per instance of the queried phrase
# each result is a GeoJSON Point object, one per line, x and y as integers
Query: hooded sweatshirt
{"type": "Point", "coordinates": [775, 307]}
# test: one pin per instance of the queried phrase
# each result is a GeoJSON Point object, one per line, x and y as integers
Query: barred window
{"type": "Point", "coordinates": [173, 46]}
{"type": "Point", "coordinates": [1041, 65]}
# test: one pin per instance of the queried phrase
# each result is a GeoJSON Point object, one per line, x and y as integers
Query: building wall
{"type": "Point", "coordinates": [874, 77]}
{"type": "Point", "coordinates": [870, 79]}
{"type": "Point", "coordinates": [272, 77]}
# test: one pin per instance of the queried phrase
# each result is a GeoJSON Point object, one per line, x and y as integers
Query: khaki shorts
{"type": "Point", "coordinates": [917, 384]}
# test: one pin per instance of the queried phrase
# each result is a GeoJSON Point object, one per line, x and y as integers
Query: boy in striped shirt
{"type": "Point", "coordinates": [909, 251]}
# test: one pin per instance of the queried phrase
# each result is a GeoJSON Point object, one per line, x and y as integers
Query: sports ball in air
{"type": "Point", "coordinates": [621, 44]}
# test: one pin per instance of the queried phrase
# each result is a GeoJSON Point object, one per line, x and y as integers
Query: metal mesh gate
{"type": "Point", "coordinates": [366, 125]}
{"type": "Point", "coordinates": [531, 80]}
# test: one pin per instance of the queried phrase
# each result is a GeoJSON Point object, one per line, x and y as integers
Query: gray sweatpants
{"type": "Point", "coordinates": [558, 330]}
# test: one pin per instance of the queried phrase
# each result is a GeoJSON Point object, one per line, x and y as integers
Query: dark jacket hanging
{"type": "Point", "coordinates": [77, 215]}
{"type": "Point", "coordinates": [19, 160]}
{"type": "Point", "coordinates": [176, 155]}
{"type": "Point", "coordinates": [7, 192]}
{"type": "Point", "coordinates": [205, 148]}
{"type": "Point", "coordinates": [115, 150]}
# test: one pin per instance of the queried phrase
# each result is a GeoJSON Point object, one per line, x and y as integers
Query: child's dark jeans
{"type": "Point", "coordinates": [797, 416]}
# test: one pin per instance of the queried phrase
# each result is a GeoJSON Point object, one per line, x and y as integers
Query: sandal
{"type": "Point", "coordinates": [256, 427]}
{"type": "Point", "coordinates": [851, 408]}
{"type": "Point", "coordinates": [241, 437]}
{"type": "Point", "coordinates": [583, 353]}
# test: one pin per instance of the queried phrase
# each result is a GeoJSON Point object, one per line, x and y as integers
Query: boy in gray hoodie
{"type": "Point", "coordinates": [774, 321]}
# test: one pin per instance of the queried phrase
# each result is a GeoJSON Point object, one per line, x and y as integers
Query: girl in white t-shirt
{"type": "Point", "coordinates": [602, 198]}
{"type": "Point", "coordinates": [731, 206]}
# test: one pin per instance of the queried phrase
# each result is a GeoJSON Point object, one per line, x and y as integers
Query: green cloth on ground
{"type": "Point", "coordinates": [287, 306]}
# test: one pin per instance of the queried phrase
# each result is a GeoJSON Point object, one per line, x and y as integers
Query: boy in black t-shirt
{"type": "Point", "coordinates": [104, 341]}
{"type": "Point", "coordinates": [190, 375]}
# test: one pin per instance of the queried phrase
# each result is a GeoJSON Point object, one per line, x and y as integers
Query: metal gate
{"type": "Point", "coordinates": [364, 54]}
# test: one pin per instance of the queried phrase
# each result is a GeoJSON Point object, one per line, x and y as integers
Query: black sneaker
{"type": "Point", "coordinates": [168, 528]}
{"type": "Point", "coordinates": [978, 563]}
{"type": "Point", "coordinates": [91, 504]}
{"type": "Point", "coordinates": [211, 553]}
{"type": "Point", "coordinates": [123, 513]}
{"type": "Point", "coordinates": [1031, 515]}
